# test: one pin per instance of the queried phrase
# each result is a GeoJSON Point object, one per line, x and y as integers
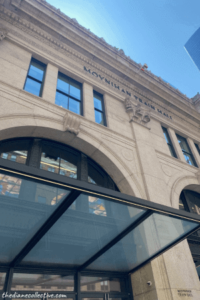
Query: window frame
{"type": "Point", "coordinates": [103, 108]}
{"type": "Point", "coordinates": [179, 137]}
{"type": "Point", "coordinates": [170, 145]}
{"type": "Point", "coordinates": [68, 95]}
{"type": "Point", "coordinates": [197, 147]}
{"type": "Point", "coordinates": [34, 79]}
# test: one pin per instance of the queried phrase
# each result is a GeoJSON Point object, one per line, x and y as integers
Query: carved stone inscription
{"type": "Point", "coordinates": [185, 293]}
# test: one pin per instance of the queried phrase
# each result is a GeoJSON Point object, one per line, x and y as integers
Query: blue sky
{"type": "Point", "coordinates": [152, 32]}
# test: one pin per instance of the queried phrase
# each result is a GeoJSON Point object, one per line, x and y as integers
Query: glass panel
{"type": "Point", "coordinates": [74, 106]}
{"type": "Point", "coordinates": [183, 143]}
{"type": "Point", "coordinates": [99, 117]}
{"type": "Point", "coordinates": [147, 239]}
{"type": "Point", "coordinates": [21, 215]}
{"type": "Point", "coordinates": [32, 86]}
{"type": "Point", "coordinates": [36, 70]}
{"type": "Point", "coordinates": [63, 84]}
{"type": "Point", "coordinates": [194, 201]}
{"type": "Point", "coordinates": [189, 159]}
{"type": "Point", "coordinates": [49, 163]}
{"type": "Point", "coordinates": [2, 280]}
{"type": "Point", "coordinates": [95, 176]}
{"type": "Point", "coordinates": [181, 205]}
{"type": "Point", "coordinates": [75, 90]}
{"type": "Point", "coordinates": [61, 100]}
{"type": "Point", "coordinates": [166, 137]}
{"type": "Point", "coordinates": [18, 156]}
{"type": "Point", "coordinates": [41, 282]}
{"type": "Point", "coordinates": [81, 232]}
{"type": "Point", "coordinates": [99, 284]}
{"type": "Point", "coordinates": [98, 103]}
{"type": "Point", "coordinates": [197, 147]}
{"type": "Point", "coordinates": [67, 169]}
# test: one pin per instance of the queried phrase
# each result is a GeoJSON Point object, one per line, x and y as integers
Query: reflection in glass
{"type": "Point", "coordinates": [68, 87]}
{"type": "Point", "coordinates": [97, 206]}
{"type": "Point", "coordinates": [42, 282]}
{"type": "Point", "coordinates": [186, 151]}
{"type": "Point", "coordinates": [2, 280]}
{"type": "Point", "coordinates": [61, 100]}
{"type": "Point", "coordinates": [52, 160]}
{"type": "Point", "coordinates": [75, 90]}
{"type": "Point", "coordinates": [99, 284]}
{"type": "Point", "coordinates": [36, 70]}
{"type": "Point", "coordinates": [50, 164]}
{"type": "Point", "coordinates": [22, 213]}
{"type": "Point", "coordinates": [33, 87]}
{"type": "Point", "coordinates": [68, 169]}
{"type": "Point", "coordinates": [99, 117]}
{"type": "Point", "coordinates": [35, 77]}
{"type": "Point", "coordinates": [18, 156]}
{"type": "Point", "coordinates": [82, 231]}
{"type": "Point", "coordinates": [150, 237]}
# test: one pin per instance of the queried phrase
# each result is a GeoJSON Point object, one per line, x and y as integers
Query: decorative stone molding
{"type": "Point", "coordinates": [3, 34]}
{"type": "Point", "coordinates": [71, 123]}
{"type": "Point", "coordinates": [137, 112]}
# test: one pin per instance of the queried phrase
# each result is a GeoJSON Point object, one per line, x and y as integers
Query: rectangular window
{"type": "Point", "coordinates": [69, 94]}
{"type": "Point", "coordinates": [169, 143]}
{"type": "Point", "coordinates": [186, 151]}
{"type": "Point", "coordinates": [197, 147]}
{"type": "Point", "coordinates": [99, 109]}
{"type": "Point", "coordinates": [35, 78]}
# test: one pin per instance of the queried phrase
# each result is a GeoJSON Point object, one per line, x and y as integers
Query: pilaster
{"type": "Point", "coordinates": [50, 83]}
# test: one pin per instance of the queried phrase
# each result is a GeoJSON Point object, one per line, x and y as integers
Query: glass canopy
{"type": "Point", "coordinates": [46, 220]}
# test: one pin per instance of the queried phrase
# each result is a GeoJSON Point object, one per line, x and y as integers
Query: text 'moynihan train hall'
{"type": "Point", "coordinates": [99, 167]}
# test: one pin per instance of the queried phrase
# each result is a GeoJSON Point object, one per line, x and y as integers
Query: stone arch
{"type": "Point", "coordinates": [189, 182]}
{"type": "Point", "coordinates": [85, 142]}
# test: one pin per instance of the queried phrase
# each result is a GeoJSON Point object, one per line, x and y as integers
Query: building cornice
{"type": "Point", "coordinates": [61, 46]}
{"type": "Point", "coordinates": [86, 36]}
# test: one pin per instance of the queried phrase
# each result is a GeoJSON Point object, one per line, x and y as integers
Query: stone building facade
{"type": "Point", "coordinates": [129, 144]}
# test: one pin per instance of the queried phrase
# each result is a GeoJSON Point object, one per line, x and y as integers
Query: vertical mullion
{"type": "Point", "coordinates": [77, 286]}
{"type": "Point", "coordinates": [8, 281]}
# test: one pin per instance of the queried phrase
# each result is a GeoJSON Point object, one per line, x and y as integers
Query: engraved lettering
{"type": "Point", "coordinates": [107, 81]}
{"type": "Point", "coordinates": [101, 77]}
{"type": "Point", "coordinates": [123, 91]}
{"type": "Point", "coordinates": [116, 86]}
{"type": "Point", "coordinates": [87, 70]}
{"type": "Point", "coordinates": [95, 74]}
{"type": "Point", "coordinates": [128, 93]}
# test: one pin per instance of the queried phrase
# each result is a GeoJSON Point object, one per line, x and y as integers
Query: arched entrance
{"type": "Point", "coordinates": [190, 201]}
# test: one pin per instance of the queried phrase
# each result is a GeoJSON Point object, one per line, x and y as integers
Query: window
{"type": "Point", "coordinates": [169, 143]}
{"type": "Point", "coordinates": [186, 151]}
{"type": "Point", "coordinates": [197, 147]}
{"type": "Point", "coordinates": [99, 109]}
{"type": "Point", "coordinates": [68, 94]}
{"type": "Point", "coordinates": [35, 78]}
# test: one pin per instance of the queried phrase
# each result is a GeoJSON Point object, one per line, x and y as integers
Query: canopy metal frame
{"type": "Point", "coordinates": [77, 187]}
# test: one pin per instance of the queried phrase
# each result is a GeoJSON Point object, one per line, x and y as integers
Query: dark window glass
{"type": "Point", "coordinates": [99, 109]}
{"type": "Point", "coordinates": [15, 150]}
{"type": "Point", "coordinates": [41, 282]}
{"type": "Point", "coordinates": [186, 151]}
{"type": "Point", "coordinates": [197, 147]}
{"type": "Point", "coordinates": [169, 143]}
{"type": "Point", "coordinates": [68, 94]}
{"type": "Point", "coordinates": [2, 280]}
{"type": "Point", "coordinates": [35, 77]}
{"type": "Point", "coordinates": [103, 284]}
